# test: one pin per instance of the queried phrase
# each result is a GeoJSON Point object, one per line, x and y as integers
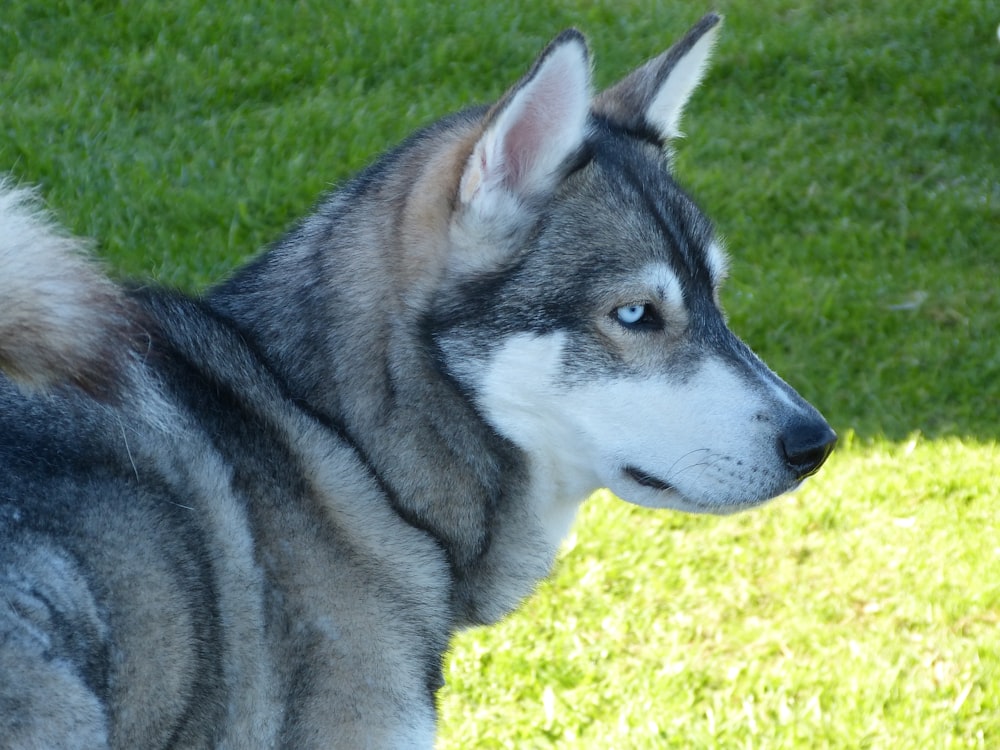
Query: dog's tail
{"type": "Point", "coordinates": [63, 322]}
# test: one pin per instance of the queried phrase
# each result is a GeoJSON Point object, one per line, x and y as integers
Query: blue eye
{"type": "Point", "coordinates": [629, 315]}
{"type": "Point", "coordinates": [639, 317]}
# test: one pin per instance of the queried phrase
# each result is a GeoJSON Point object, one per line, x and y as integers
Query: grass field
{"type": "Point", "coordinates": [849, 151]}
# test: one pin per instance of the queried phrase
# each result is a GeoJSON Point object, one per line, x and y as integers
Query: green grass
{"type": "Point", "coordinates": [862, 612]}
{"type": "Point", "coordinates": [849, 151]}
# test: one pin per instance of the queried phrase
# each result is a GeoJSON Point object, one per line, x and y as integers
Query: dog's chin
{"type": "Point", "coordinates": [641, 488]}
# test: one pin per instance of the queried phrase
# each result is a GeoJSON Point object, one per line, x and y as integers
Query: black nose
{"type": "Point", "coordinates": [805, 444]}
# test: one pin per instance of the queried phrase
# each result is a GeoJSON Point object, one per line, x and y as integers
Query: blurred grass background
{"type": "Point", "coordinates": [849, 152]}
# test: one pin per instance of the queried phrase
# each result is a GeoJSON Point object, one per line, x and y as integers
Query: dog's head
{"type": "Point", "coordinates": [584, 320]}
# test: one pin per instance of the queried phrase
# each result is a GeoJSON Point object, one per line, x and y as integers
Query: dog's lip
{"type": "Point", "coordinates": [648, 480]}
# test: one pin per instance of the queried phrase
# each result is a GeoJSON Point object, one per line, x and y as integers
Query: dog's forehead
{"type": "Point", "coordinates": [625, 205]}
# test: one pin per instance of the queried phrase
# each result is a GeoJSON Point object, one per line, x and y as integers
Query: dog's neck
{"type": "Point", "coordinates": [444, 468]}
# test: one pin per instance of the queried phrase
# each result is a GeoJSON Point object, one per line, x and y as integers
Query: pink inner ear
{"type": "Point", "coordinates": [539, 126]}
{"type": "Point", "coordinates": [521, 145]}
{"type": "Point", "coordinates": [547, 119]}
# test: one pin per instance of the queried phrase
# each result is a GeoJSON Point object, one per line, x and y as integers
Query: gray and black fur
{"type": "Point", "coordinates": [255, 519]}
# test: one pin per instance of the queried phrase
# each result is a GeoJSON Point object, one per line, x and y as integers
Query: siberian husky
{"type": "Point", "coordinates": [255, 518]}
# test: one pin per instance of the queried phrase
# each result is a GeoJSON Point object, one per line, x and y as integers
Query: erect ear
{"type": "Point", "coordinates": [531, 131]}
{"type": "Point", "coordinates": [651, 99]}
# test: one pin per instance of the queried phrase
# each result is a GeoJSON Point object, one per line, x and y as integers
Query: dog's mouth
{"type": "Point", "coordinates": [648, 480]}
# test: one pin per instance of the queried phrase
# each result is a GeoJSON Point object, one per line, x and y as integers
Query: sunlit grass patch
{"type": "Point", "coordinates": [862, 611]}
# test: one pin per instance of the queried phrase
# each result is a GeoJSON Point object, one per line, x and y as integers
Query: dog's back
{"type": "Point", "coordinates": [175, 569]}
{"type": "Point", "coordinates": [112, 510]}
